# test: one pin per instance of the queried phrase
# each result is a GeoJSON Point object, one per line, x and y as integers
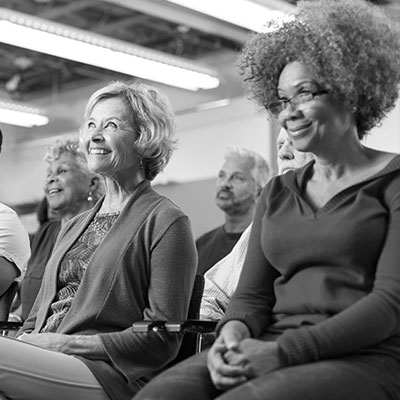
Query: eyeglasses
{"type": "Point", "coordinates": [304, 97]}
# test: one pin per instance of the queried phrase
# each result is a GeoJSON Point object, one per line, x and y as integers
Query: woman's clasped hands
{"type": "Point", "coordinates": [235, 357]}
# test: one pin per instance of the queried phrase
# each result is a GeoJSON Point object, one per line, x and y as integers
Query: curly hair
{"type": "Point", "coordinates": [351, 47]}
{"type": "Point", "coordinates": [71, 146]}
{"type": "Point", "coordinates": [152, 118]}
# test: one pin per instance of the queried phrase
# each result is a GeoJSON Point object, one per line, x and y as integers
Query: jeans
{"type": "Point", "coordinates": [357, 377]}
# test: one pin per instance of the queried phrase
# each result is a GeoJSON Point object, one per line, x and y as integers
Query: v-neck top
{"type": "Point", "coordinates": [324, 283]}
{"type": "Point", "coordinates": [298, 182]}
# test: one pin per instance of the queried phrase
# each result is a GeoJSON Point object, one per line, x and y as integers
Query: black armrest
{"type": "Point", "coordinates": [147, 326]}
{"type": "Point", "coordinates": [10, 325]}
{"type": "Point", "coordinates": [186, 326]}
{"type": "Point", "coordinates": [191, 326]}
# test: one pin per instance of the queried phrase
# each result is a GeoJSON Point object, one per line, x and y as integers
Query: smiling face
{"type": "Point", "coordinates": [236, 190]}
{"type": "Point", "coordinates": [108, 138]}
{"type": "Point", "coordinates": [288, 157]}
{"type": "Point", "coordinates": [67, 186]}
{"type": "Point", "coordinates": [318, 125]}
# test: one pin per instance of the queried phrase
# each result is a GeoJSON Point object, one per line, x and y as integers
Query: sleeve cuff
{"type": "Point", "coordinates": [298, 346]}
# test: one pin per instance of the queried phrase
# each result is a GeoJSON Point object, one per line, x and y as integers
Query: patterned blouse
{"type": "Point", "coordinates": [73, 267]}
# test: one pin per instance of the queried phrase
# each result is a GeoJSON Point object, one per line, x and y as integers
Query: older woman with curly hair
{"type": "Point", "coordinates": [131, 257]}
{"type": "Point", "coordinates": [316, 314]}
{"type": "Point", "coordinates": [70, 188]}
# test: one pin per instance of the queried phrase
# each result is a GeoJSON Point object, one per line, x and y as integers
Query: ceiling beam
{"type": "Point", "coordinates": [110, 27]}
{"type": "Point", "coordinates": [184, 16]}
{"type": "Point", "coordinates": [55, 12]}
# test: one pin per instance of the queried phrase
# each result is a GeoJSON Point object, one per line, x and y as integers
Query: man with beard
{"type": "Point", "coordinates": [221, 280]}
{"type": "Point", "coordinates": [239, 183]}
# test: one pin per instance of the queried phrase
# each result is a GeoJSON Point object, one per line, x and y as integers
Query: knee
{"type": "Point", "coordinates": [187, 380]}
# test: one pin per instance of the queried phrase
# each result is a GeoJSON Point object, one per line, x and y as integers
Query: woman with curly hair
{"type": "Point", "coordinates": [316, 314]}
{"type": "Point", "coordinates": [70, 188]}
{"type": "Point", "coordinates": [130, 257]}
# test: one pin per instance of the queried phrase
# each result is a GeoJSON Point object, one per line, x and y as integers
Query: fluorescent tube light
{"type": "Point", "coordinates": [205, 106]}
{"type": "Point", "coordinates": [63, 41]}
{"type": "Point", "coordinates": [246, 13]}
{"type": "Point", "coordinates": [15, 114]}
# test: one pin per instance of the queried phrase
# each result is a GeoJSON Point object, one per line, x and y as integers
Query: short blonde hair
{"type": "Point", "coordinates": [152, 117]}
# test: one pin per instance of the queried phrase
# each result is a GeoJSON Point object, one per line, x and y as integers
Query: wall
{"type": "Point", "coordinates": [189, 179]}
{"type": "Point", "coordinates": [386, 137]}
{"type": "Point", "coordinates": [190, 176]}
{"type": "Point", "coordinates": [197, 200]}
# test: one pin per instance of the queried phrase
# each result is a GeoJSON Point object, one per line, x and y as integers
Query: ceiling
{"type": "Point", "coordinates": [43, 80]}
{"type": "Point", "coordinates": [25, 74]}
{"type": "Point", "coordinates": [156, 24]}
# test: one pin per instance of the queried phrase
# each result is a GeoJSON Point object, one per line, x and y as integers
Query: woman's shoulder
{"type": "Point", "coordinates": [164, 214]}
{"type": "Point", "coordinates": [48, 229]}
{"type": "Point", "coordinates": [383, 162]}
{"type": "Point", "coordinates": [379, 158]}
{"type": "Point", "coordinates": [167, 208]}
{"type": "Point", "coordinates": [149, 197]}
{"type": "Point", "coordinates": [385, 176]}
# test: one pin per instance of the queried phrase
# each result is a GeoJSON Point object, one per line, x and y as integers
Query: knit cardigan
{"type": "Point", "coordinates": [143, 269]}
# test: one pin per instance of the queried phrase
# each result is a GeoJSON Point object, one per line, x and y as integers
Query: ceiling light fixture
{"type": "Point", "coordinates": [20, 115]}
{"type": "Point", "coordinates": [252, 15]}
{"type": "Point", "coordinates": [205, 106]}
{"type": "Point", "coordinates": [63, 41]}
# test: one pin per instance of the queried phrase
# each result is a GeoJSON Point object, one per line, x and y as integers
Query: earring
{"type": "Point", "coordinates": [141, 163]}
{"type": "Point", "coordinates": [90, 197]}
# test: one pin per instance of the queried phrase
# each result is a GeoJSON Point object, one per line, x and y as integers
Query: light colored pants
{"type": "Point", "coordinates": [29, 372]}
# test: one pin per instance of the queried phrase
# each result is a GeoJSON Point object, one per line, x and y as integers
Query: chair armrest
{"type": "Point", "coordinates": [10, 325]}
{"type": "Point", "coordinates": [185, 326]}
{"type": "Point", "coordinates": [147, 326]}
{"type": "Point", "coordinates": [190, 326]}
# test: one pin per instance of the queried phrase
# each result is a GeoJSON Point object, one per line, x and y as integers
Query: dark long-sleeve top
{"type": "Point", "coordinates": [41, 248]}
{"type": "Point", "coordinates": [143, 269]}
{"type": "Point", "coordinates": [213, 246]}
{"type": "Point", "coordinates": [326, 283]}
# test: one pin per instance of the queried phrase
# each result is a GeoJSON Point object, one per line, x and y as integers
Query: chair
{"type": "Point", "coordinates": [192, 328]}
{"type": "Point", "coordinates": [6, 300]}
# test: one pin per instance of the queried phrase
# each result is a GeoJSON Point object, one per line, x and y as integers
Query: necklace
{"type": "Point", "coordinates": [109, 214]}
